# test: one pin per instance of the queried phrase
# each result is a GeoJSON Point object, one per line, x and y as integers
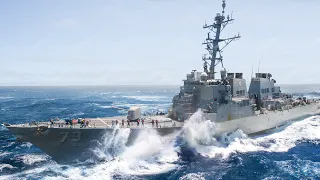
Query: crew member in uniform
{"type": "Point", "coordinates": [128, 121]}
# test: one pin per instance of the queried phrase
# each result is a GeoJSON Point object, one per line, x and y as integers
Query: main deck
{"type": "Point", "coordinates": [108, 122]}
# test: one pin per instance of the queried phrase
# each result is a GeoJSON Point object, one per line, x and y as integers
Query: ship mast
{"type": "Point", "coordinates": [213, 43]}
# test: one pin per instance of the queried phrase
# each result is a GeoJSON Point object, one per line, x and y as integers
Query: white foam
{"type": "Point", "coordinates": [2, 154]}
{"type": "Point", "coordinates": [26, 144]}
{"type": "Point", "coordinates": [2, 166]}
{"type": "Point", "coordinates": [148, 98]}
{"type": "Point", "coordinates": [199, 134]}
{"type": "Point", "coordinates": [3, 128]}
{"type": "Point", "coordinates": [151, 154]}
{"type": "Point", "coordinates": [299, 168]}
{"type": "Point", "coordinates": [115, 141]}
{"type": "Point", "coordinates": [192, 176]}
{"type": "Point", "coordinates": [6, 97]}
{"type": "Point", "coordinates": [30, 159]}
{"type": "Point", "coordinates": [198, 130]}
{"type": "Point", "coordinates": [145, 108]}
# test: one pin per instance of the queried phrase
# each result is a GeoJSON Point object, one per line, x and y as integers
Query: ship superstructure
{"type": "Point", "coordinates": [222, 99]}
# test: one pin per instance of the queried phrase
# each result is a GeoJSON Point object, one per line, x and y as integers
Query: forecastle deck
{"type": "Point", "coordinates": [109, 122]}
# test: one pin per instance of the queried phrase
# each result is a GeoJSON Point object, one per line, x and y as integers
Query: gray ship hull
{"type": "Point", "coordinates": [66, 145]}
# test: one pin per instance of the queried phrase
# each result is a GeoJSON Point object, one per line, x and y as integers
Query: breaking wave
{"type": "Point", "coordinates": [199, 134]}
{"type": "Point", "coordinates": [30, 159]}
{"type": "Point", "coordinates": [149, 98]}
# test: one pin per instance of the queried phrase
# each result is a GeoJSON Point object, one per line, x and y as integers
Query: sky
{"type": "Point", "coordinates": [152, 42]}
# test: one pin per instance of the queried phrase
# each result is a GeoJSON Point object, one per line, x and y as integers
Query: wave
{"type": "Point", "coordinates": [4, 166]}
{"type": "Point", "coordinates": [199, 134]}
{"type": "Point", "coordinates": [149, 98]}
{"type": "Point", "coordinates": [150, 154]}
{"type": "Point", "coordinates": [309, 95]}
{"type": "Point", "coordinates": [198, 176]}
{"type": "Point", "coordinates": [2, 154]}
{"type": "Point", "coordinates": [299, 168]}
{"type": "Point", "coordinates": [3, 128]}
{"type": "Point", "coordinates": [6, 97]}
{"type": "Point", "coordinates": [148, 109]}
{"type": "Point", "coordinates": [30, 159]}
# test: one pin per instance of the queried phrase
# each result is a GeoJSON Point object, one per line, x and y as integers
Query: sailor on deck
{"type": "Point", "coordinates": [122, 123]}
{"type": "Point", "coordinates": [51, 121]}
{"type": "Point", "coordinates": [87, 123]}
{"type": "Point", "coordinates": [152, 122]}
{"type": "Point", "coordinates": [138, 122]}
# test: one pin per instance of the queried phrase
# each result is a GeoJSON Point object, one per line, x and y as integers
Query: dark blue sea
{"type": "Point", "coordinates": [289, 152]}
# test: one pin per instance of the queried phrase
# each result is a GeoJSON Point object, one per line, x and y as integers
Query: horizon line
{"type": "Point", "coordinates": [123, 85]}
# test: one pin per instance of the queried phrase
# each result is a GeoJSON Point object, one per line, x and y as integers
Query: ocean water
{"type": "Point", "coordinates": [289, 152]}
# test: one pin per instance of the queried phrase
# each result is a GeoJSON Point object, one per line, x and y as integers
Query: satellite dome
{"type": "Point", "coordinates": [204, 76]}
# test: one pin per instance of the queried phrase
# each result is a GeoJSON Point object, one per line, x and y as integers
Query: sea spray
{"type": "Point", "coordinates": [199, 136]}
{"type": "Point", "coordinates": [199, 130]}
{"type": "Point", "coordinates": [238, 142]}
{"type": "Point", "coordinates": [113, 143]}
{"type": "Point", "coordinates": [149, 154]}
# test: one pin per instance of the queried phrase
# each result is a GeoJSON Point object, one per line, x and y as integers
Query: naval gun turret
{"type": "Point", "coordinates": [202, 90]}
{"type": "Point", "coordinates": [134, 113]}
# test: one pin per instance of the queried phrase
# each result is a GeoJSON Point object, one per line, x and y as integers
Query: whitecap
{"type": "Point", "coordinates": [149, 98]}
{"type": "Point", "coordinates": [299, 168]}
{"type": "Point", "coordinates": [6, 97]}
{"type": "Point", "coordinates": [2, 154]}
{"type": "Point", "coordinates": [192, 176]}
{"type": "Point", "coordinates": [3, 166]}
{"type": "Point", "coordinates": [30, 159]}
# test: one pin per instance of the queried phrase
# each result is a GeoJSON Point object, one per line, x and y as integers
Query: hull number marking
{"type": "Point", "coordinates": [74, 136]}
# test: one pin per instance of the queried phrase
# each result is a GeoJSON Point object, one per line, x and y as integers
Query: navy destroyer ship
{"type": "Point", "coordinates": [224, 100]}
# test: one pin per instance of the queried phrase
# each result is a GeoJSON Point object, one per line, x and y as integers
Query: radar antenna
{"type": "Point", "coordinates": [213, 43]}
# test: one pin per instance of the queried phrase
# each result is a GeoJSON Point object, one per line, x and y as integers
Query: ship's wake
{"type": "Point", "coordinates": [154, 154]}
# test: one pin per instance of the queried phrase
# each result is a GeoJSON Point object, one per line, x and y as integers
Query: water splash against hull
{"type": "Point", "coordinates": [152, 154]}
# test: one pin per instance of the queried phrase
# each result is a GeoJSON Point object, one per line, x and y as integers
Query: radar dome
{"type": "Point", "coordinates": [204, 76]}
{"type": "Point", "coordinates": [223, 73]}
